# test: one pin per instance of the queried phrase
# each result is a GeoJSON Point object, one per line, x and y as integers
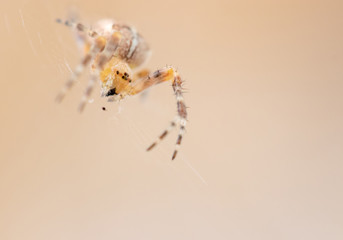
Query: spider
{"type": "Point", "coordinates": [115, 53]}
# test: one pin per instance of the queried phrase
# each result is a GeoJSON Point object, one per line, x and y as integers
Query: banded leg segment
{"type": "Point", "coordinates": [99, 45]}
{"type": "Point", "coordinates": [78, 26]}
{"type": "Point", "coordinates": [163, 135]}
{"type": "Point", "coordinates": [89, 89]}
{"type": "Point", "coordinates": [162, 75]}
{"type": "Point", "coordinates": [182, 111]}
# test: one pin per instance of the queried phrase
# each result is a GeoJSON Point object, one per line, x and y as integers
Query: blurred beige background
{"type": "Point", "coordinates": [262, 157]}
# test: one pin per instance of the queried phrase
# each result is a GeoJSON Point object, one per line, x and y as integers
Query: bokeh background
{"type": "Point", "coordinates": [263, 153]}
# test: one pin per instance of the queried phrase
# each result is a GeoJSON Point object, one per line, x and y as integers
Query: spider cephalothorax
{"type": "Point", "coordinates": [116, 52]}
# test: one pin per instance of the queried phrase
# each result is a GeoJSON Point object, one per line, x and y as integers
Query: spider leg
{"type": "Point", "coordinates": [162, 75]}
{"type": "Point", "coordinates": [110, 48]}
{"type": "Point", "coordinates": [106, 52]}
{"type": "Point", "coordinates": [78, 26]}
{"type": "Point", "coordinates": [141, 74]}
{"type": "Point", "coordinates": [89, 89]}
{"type": "Point", "coordinates": [98, 46]}
{"type": "Point", "coordinates": [182, 112]}
{"type": "Point", "coordinates": [163, 135]}
{"type": "Point", "coordinates": [144, 73]}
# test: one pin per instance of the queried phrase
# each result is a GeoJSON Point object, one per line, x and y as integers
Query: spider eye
{"type": "Point", "coordinates": [111, 92]}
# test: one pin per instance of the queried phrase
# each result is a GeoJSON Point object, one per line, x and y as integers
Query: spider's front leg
{"type": "Point", "coordinates": [162, 75]}
{"type": "Point", "coordinates": [98, 46]}
{"type": "Point", "coordinates": [78, 26]}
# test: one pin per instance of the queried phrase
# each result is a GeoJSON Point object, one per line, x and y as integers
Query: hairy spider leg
{"type": "Point", "coordinates": [162, 75]}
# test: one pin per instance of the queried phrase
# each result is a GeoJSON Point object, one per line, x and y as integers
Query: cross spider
{"type": "Point", "coordinates": [115, 52]}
